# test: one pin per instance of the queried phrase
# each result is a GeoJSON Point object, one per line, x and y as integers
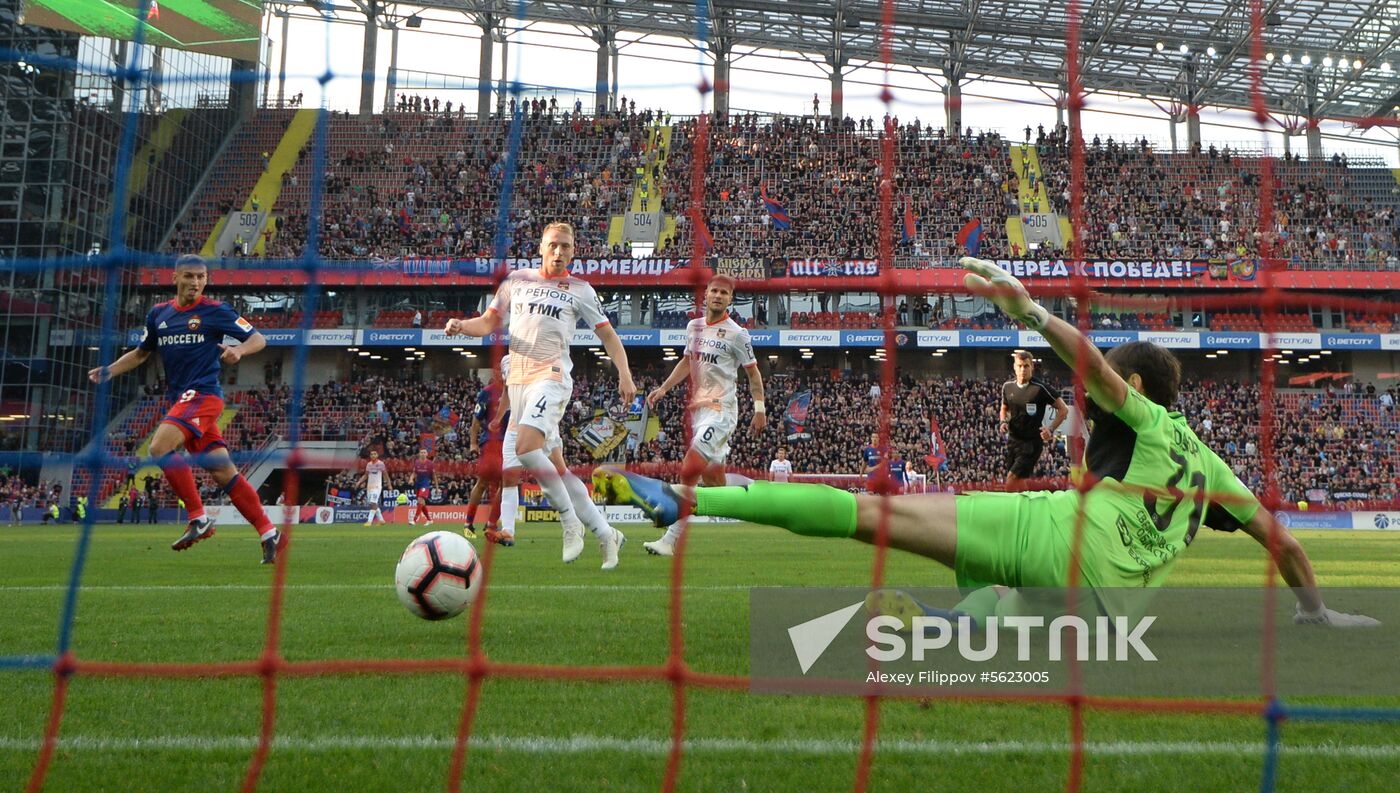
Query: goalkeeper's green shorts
{"type": "Point", "coordinates": [1014, 539]}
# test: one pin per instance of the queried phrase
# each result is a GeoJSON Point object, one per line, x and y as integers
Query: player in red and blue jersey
{"type": "Point", "coordinates": [423, 481]}
{"type": "Point", "coordinates": [487, 433]}
{"type": "Point", "coordinates": [899, 472]}
{"type": "Point", "coordinates": [189, 333]}
{"type": "Point", "coordinates": [872, 456]}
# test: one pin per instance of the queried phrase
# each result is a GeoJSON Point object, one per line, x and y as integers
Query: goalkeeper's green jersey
{"type": "Point", "coordinates": [1157, 485]}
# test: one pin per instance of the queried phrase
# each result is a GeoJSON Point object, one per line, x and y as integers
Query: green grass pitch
{"type": "Point", "coordinates": [142, 602]}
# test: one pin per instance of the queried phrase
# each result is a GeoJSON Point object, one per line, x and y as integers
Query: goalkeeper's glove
{"type": "Point", "coordinates": [990, 281]}
{"type": "Point", "coordinates": [1335, 619]}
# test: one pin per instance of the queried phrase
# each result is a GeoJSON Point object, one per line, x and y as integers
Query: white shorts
{"type": "Point", "coordinates": [508, 458]}
{"type": "Point", "coordinates": [540, 405]}
{"type": "Point", "coordinates": [372, 497]}
{"type": "Point", "coordinates": [712, 430]}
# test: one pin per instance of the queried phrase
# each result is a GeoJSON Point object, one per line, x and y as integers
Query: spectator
{"type": "Point", "coordinates": [1139, 203]}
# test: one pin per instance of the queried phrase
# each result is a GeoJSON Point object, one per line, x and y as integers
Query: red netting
{"type": "Point", "coordinates": [477, 666]}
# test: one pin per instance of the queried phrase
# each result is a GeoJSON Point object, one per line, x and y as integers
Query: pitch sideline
{"type": "Point", "coordinates": [579, 744]}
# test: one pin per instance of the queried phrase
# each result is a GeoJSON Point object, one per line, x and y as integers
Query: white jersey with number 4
{"type": "Point", "coordinates": [541, 314]}
{"type": "Point", "coordinates": [780, 470]}
{"type": "Point", "coordinates": [374, 476]}
{"type": "Point", "coordinates": [716, 353]}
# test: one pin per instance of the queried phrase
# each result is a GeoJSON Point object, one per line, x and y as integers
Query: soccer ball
{"type": "Point", "coordinates": [438, 575]}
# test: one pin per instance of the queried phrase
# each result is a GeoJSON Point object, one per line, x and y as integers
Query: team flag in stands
{"type": "Point", "coordinates": [703, 238]}
{"type": "Point", "coordinates": [1244, 269]}
{"type": "Point", "coordinates": [445, 419]}
{"type": "Point", "coordinates": [798, 413]}
{"type": "Point", "coordinates": [911, 223]}
{"type": "Point", "coordinates": [937, 458]}
{"type": "Point", "coordinates": [776, 211]}
{"type": "Point", "coordinates": [970, 236]}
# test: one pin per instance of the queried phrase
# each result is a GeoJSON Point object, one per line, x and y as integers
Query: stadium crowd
{"type": "Point", "coordinates": [423, 183]}
{"type": "Point", "coordinates": [1334, 445]}
{"type": "Point", "coordinates": [1330, 445]}
{"type": "Point", "coordinates": [16, 493]}
{"type": "Point", "coordinates": [412, 185]}
{"type": "Point", "coordinates": [1140, 203]}
{"type": "Point", "coordinates": [843, 413]}
{"type": "Point", "coordinates": [823, 178]}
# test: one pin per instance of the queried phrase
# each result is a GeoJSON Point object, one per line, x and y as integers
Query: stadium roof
{"type": "Point", "coordinates": [1025, 40]}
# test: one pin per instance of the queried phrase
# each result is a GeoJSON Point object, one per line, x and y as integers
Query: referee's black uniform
{"type": "Point", "coordinates": [1026, 407]}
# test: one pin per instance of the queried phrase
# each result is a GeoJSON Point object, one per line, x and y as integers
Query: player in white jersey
{"type": "Point", "coordinates": [780, 470]}
{"type": "Point", "coordinates": [373, 482]}
{"type": "Point", "coordinates": [542, 307]}
{"type": "Point", "coordinates": [716, 349]}
{"type": "Point", "coordinates": [511, 471]}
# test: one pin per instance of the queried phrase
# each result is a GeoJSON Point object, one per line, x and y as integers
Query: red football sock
{"type": "Point", "coordinates": [181, 478]}
{"type": "Point", "coordinates": [422, 510]}
{"type": "Point", "coordinates": [249, 505]}
{"type": "Point", "coordinates": [471, 512]}
{"type": "Point", "coordinates": [487, 510]}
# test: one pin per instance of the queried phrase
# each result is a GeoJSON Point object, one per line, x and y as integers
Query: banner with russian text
{"type": "Point", "coordinates": [1183, 270]}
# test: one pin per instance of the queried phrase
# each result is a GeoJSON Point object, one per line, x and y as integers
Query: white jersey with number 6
{"type": "Point", "coordinates": [716, 353]}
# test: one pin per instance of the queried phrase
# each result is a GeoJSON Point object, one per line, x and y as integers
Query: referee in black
{"type": "Point", "coordinates": [1023, 406]}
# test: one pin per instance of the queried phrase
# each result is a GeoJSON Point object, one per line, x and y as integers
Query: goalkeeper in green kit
{"type": "Point", "coordinates": [1151, 480]}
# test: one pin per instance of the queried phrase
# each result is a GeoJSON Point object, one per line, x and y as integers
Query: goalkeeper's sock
{"type": "Point", "coordinates": [673, 534]}
{"type": "Point", "coordinates": [810, 510]}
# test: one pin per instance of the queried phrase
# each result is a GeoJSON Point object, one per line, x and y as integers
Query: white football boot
{"type": "Point", "coordinates": [610, 547]}
{"type": "Point", "coordinates": [573, 541]}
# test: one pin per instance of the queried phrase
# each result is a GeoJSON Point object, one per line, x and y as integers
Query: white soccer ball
{"type": "Point", "coordinates": [438, 575]}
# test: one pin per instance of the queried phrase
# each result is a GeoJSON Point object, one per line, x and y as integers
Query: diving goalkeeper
{"type": "Point", "coordinates": [1150, 474]}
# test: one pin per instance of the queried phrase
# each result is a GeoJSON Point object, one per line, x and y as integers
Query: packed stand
{"type": "Point", "coordinates": [824, 178]}
{"type": "Point", "coordinates": [1143, 204]}
{"type": "Point", "coordinates": [1333, 447]}
{"type": "Point", "coordinates": [845, 411]}
{"type": "Point", "coordinates": [424, 182]}
{"type": "Point", "coordinates": [423, 185]}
